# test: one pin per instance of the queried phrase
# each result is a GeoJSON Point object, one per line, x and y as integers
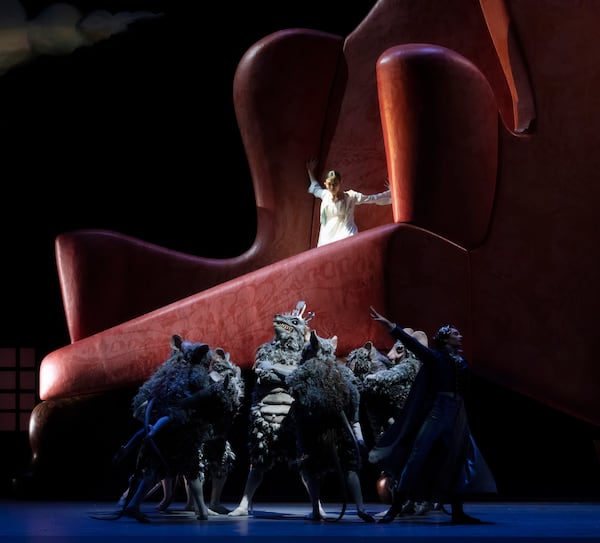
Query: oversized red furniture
{"type": "Point", "coordinates": [482, 114]}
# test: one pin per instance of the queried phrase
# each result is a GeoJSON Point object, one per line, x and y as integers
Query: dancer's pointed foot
{"type": "Point", "coordinates": [240, 511]}
{"type": "Point", "coordinates": [218, 509]}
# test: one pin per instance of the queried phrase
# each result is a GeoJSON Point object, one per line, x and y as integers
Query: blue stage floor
{"type": "Point", "coordinates": [53, 521]}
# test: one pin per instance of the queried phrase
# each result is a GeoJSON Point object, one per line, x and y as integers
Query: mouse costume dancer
{"type": "Point", "coordinates": [187, 404]}
{"type": "Point", "coordinates": [217, 458]}
{"type": "Point", "coordinates": [385, 382]}
{"type": "Point", "coordinates": [271, 433]}
{"type": "Point", "coordinates": [326, 417]}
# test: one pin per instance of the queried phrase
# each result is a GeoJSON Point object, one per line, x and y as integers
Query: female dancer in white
{"type": "Point", "coordinates": [337, 205]}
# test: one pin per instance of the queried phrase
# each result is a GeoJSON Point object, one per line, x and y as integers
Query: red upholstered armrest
{"type": "Point", "coordinates": [338, 282]}
{"type": "Point", "coordinates": [107, 277]}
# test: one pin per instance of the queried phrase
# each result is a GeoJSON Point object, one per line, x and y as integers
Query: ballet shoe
{"type": "Point", "coordinates": [218, 509]}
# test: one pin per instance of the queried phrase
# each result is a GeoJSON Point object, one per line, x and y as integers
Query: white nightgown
{"type": "Point", "coordinates": [337, 218]}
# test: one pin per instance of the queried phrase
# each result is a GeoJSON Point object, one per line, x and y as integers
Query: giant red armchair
{"type": "Point", "coordinates": [482, 117]}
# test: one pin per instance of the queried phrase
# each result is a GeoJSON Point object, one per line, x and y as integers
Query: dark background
{"type": "Point", "coordinates": [138, 134]}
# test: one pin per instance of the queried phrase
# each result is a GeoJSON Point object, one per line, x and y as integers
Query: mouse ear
{"type": "Point", "coordinates": [176, 342]}
{"type": "Point", "coordinates": [199, 351]}
{"type": "Point", "coordinates": [314, 339]}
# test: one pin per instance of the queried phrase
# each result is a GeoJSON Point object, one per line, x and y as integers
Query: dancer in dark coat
{"type": "Point", "coordinates": [429, 452]}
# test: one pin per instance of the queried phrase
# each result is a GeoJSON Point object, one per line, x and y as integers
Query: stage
{"type": "Point", "coordinates": [68, 521]}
